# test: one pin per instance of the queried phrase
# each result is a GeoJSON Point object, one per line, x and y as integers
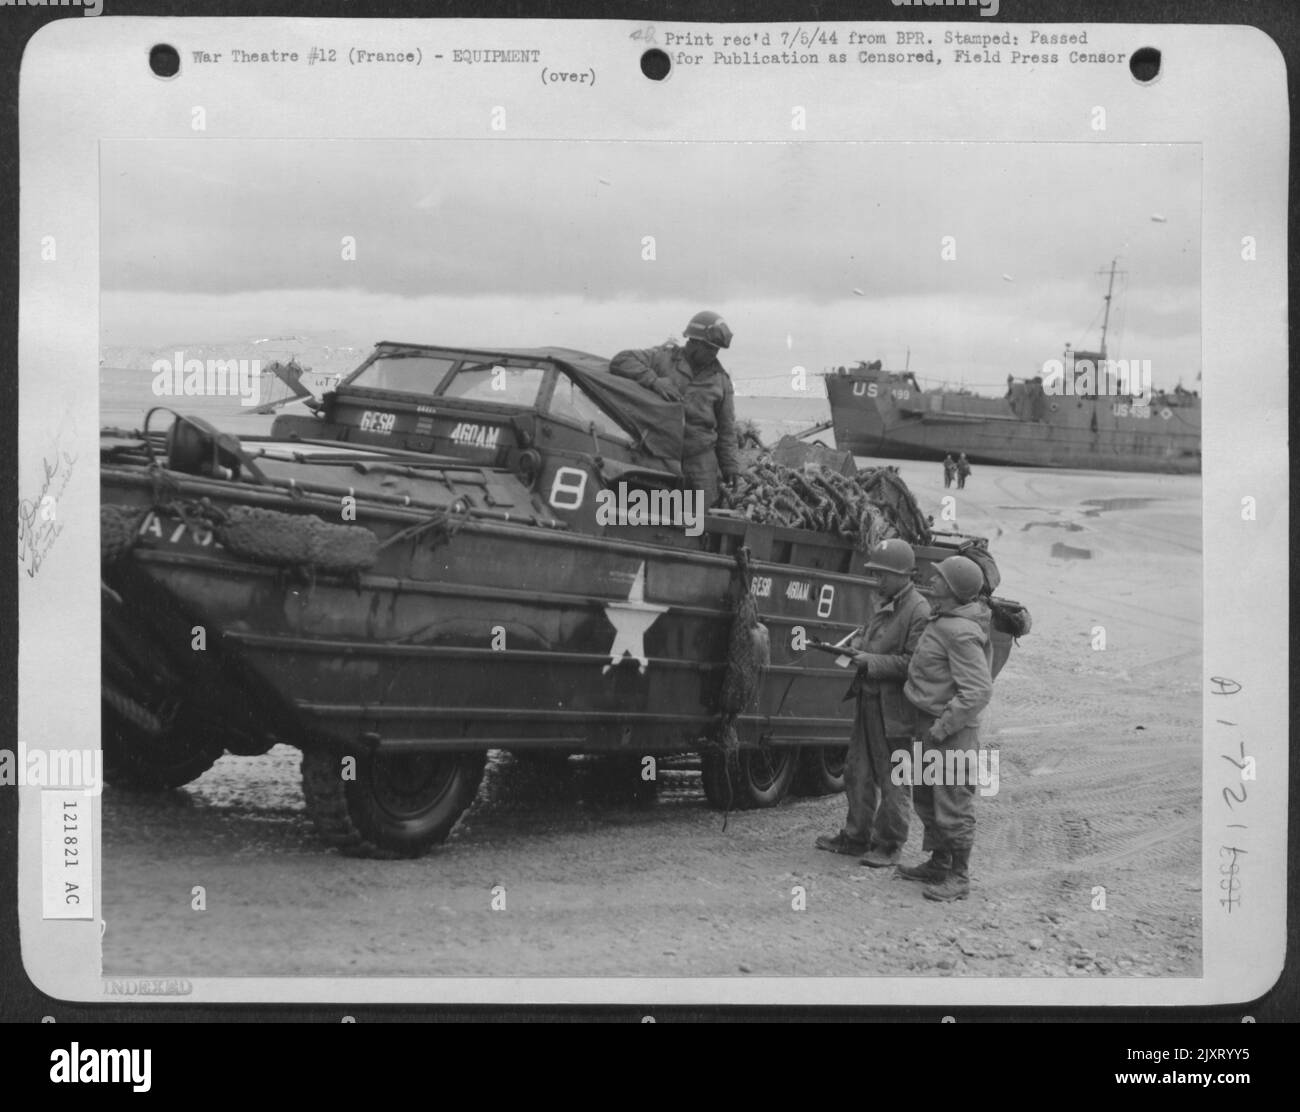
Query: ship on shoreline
{"type": "Point", "coordinates": [1090, 424]}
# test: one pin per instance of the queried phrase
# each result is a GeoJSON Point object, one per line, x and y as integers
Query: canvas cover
{"type": "Point", "coordinates": [660, 425]}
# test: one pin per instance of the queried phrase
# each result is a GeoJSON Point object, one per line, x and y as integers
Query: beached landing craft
{"type": "Point", "coordinates": [1082, 419]}
{"type": "Point", "coordinates": [424, 569]}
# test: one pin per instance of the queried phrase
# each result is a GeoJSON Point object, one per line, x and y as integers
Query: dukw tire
{"type": "Point", "coordinates": [821, 770]}
{"type": "Point", "coordinates": [141, 761]}
{"type": "Point", "coordinates": [753, 778]}
{"type": "Point", "coordinates": [398, 805]}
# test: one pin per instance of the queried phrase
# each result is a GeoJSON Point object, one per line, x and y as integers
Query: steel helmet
{"type": "Point", "coordinates": [709, 327]}
{"type": "Point", "coordinates": [963, 577]}
{"type": "Point", "coordinates": [892, 555]}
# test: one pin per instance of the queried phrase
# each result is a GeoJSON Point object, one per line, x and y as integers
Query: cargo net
{"type": "Point", "coordinates": [866, 507]}
{"type": "Point", "coordinates": [748, 656]}
{"type": "Point", "coordinates": [748, 652]}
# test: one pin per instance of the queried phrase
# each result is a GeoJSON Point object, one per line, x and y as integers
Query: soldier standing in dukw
{"type": "Point", "coordinates": [692, 375]}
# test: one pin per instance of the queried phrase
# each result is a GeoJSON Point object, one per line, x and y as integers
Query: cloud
{"type": "Point", "coordinates": [838, 244]}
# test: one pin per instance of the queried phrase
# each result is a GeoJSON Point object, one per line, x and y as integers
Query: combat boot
{"type": "Point", "coordinates": [932, 871]}
{"type": "Point", "coordinates": [956, 885]}
{"type": "Point", "coordinates": [841, 843]}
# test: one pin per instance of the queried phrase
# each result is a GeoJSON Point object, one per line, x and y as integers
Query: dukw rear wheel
{"type": "Point", "coordinates": [821, 770]}
{"type": "Point", "coordinates": [398, 805]}
{"type": "Point", "coordinates": [752, 778]}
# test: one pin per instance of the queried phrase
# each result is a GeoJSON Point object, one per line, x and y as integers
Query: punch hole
{"type": "Point", "coordinates": [1145, 64]}
{"type": "Point", "coordinates": [164, 60]}
{"type": "Point", "coordinates": [655, 64]}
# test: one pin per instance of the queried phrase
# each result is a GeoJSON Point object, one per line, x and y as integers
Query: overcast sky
{"type": "Point", "coordinates": [512, 243]}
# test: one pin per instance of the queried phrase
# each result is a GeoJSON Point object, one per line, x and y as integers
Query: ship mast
{"type": "Point", "coordinates": [1110, 288]}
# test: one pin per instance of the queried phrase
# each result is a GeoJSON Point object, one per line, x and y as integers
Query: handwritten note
{"type": "Point", "coordinates": [1233, 795]}
{"type": "Point", "coordinates": [38, 519]}
{"type": "Point", "coordinates": [1228, 882]}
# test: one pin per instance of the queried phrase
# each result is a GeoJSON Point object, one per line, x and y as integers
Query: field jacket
{"type": "Point", "coordinates": [706, 394]}
{"type": "Point", "coordinates": [890, 636]}
{"type": "Point", "coordinates": [950, 676]}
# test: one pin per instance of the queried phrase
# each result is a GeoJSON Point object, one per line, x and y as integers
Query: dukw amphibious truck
{"type": "Point", "coordinates": [419, 571]}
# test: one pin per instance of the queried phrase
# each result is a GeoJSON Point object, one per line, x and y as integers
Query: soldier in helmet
{"type": "Point", "coordinates": [692, 375]}
{"type": "Point", "coordinates": [876, 824]}
{"type": "Point", "coordinates": [949, 681]}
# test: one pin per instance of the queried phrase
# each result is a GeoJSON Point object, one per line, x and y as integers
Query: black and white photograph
{"type": "Point", "coordinates": [521, 578]}
{"type": "Point", "coordinates": [678, 554]}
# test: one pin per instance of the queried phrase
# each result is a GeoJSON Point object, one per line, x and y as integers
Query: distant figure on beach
{"type": "Point", "coordinates": [949, 469]}
{"type": "Point", "coordinates": [963, 470]}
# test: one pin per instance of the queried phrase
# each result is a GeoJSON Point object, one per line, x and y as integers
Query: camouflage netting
{"type": "Point", "coordinates": [266, 536]}
{"type": "Point", "coordinates": [270, 537]}
{"type": "Point", "coordinates": [748, 653]}
{"type": "Point", "coordinates": [118, 530]}
{"type": "Point", "coordinates": [866, 507]}
{"type": "Point", "coordinates": [748, 650]}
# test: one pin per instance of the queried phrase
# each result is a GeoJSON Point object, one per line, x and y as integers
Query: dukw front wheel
{"type": "Point", "coordinates": [144, 753]}
{"type": "Point", "coordinates": [396, 805]}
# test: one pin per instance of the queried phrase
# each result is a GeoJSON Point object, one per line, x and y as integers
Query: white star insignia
{"type": "Point", "coordinates": [630, 620]}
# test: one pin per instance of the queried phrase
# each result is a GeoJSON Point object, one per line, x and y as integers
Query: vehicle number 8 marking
{"type": "Point", "coordinates": [825, 600]}
{"type": "Point", "coordinates": [567, 488]}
